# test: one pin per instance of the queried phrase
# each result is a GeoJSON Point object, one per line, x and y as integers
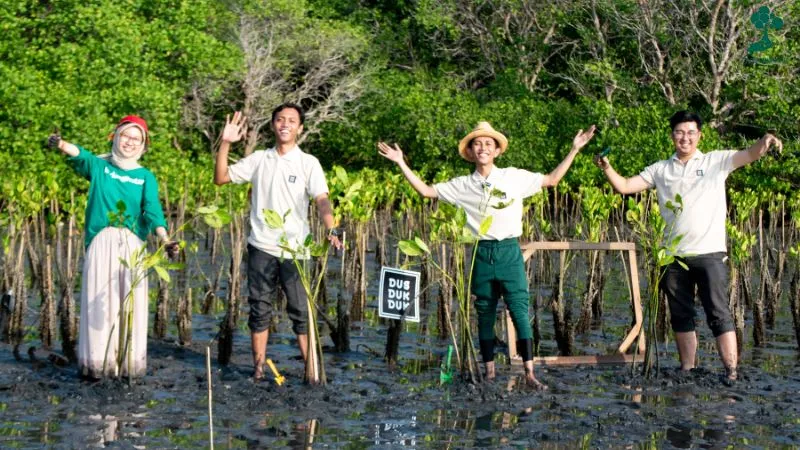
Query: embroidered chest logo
{"type": "Point", "coordinates": [292, 178]}
{"type": "Point", "coordinates": [699, 172]}
{"type": "Point", "coordinates": [123, 178]}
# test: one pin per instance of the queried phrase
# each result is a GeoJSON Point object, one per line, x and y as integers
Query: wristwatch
{"type": "Point", "coordinates": [334, 232]}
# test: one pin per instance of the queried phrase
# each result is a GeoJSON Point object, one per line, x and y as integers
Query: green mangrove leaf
{"type": "Point", "coordinates": [353, 189]}
{"type": "Point", "coordinates": [213, 221]}
{"type": "Point", "coordinates": [486, 224]}
{"type": "Point", "coordinates": [497, 193]}
{"type": "Point", "coordinates": [461, 218]}
{"type": "Point", "coordinates": [162, 273]}
{"type": "Point", "coordinates": [421, 244]}
{"type": "Point", "coordinates": [341, 174]}
{"type": "Point", "coordinates": [288, 250]}
{"type": "Point", "coordinates": [503, 205]}
{"type": "Point", "coordinates": [273, 219]}
{"type": "Point", "coordinates": [409, 248]}
{"type": "Point", "coordinates": [319, 250]}
{"type": "Point", "coordinates": [660, 255]}
{"type": "Point", "coordinates": [224, 217]}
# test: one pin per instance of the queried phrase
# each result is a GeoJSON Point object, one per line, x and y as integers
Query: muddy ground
{"type": "Point", "coordinates": [367, 406]}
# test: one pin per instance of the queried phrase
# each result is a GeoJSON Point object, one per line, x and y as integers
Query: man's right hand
{"type": "Point", "coordinates": [234, 129]}
{"type": "Point", "coordinates": [390, 153]}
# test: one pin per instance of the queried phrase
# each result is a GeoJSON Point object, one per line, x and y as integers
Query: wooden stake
{"type": "Point", "coordinates": [210, 400]}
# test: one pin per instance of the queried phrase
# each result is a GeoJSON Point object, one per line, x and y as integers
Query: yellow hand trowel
{"type": "Point", "coordinates": [279, 379]}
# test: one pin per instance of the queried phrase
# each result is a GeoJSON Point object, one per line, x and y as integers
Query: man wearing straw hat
{"type": "Point", "coordinates": [699, 178]}
{"type": "Point", "coordinates": [498, 192]}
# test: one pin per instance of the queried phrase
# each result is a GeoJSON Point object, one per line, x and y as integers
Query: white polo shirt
{"type": "Point", "coordinates": [701, 184]}
{"type": "Point", "coordinates": [474, 194]}
{"type": "Point", "coordinates": [280, 183]}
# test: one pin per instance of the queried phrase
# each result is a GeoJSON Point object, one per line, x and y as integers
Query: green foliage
{"type": "Point", "coordinates": [596, 207]}
{"type": "Point", "coordinates": [82, 65]}
{"type": "Point", "coordinates": [118, 218]}
{"type": "Point", "coordinates": [660, 243]}
{"type": "Point", "coordinates": [213, 216]}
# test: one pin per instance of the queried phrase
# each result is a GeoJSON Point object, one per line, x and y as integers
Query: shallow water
{"type": "Point", "coordinates": [367, 406]}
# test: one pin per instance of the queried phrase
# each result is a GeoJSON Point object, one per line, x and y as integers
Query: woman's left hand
{"type": "Point", "coordinates": [173, 249]}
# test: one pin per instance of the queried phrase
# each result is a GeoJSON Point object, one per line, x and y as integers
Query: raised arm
{"type": "Point", "coordinates": [621, 184]}
{"type": "Point", "coordinates": [395, 155]}
{"type": "Point", "coordinates": [580, 140]}
{"type": "Point", "coordinates": [756, 151]}
{"type": "Point", "coordinates": [233, 132]}
{"type": "Point", "coordinates": [55, 141]}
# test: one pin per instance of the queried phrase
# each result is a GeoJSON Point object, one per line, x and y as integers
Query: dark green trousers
{"type": "Point", "coordinates": [499, 271]}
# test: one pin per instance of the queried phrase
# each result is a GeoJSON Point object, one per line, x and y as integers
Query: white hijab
{"type": "Point", "coordinates": [117, 158]}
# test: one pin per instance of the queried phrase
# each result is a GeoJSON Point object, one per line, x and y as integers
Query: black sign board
{"type": "Point", "coordinates": [398, 297]}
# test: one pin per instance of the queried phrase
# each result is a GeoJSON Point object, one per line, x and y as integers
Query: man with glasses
{"type": "Point", "coordinates": [699, 178]}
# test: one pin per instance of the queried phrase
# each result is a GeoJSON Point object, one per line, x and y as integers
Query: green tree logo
{"type": "Point", "coordinates": [765, 20]}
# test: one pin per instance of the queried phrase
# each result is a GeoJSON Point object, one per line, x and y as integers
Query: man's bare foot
{"type": "Point", "coordinates": [258, 373]}
{"type": "Point", "coordinates": [490, 371]}
{"type": "Point", "coordinates": [531, 381]}
{"type": "Point", "coordinates": [731, 373]}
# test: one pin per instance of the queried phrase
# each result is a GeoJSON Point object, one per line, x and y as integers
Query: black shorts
{"type": "Point", "coordinates": [709, 274]}
{"type": "Point", "coordinates": [264, 273]}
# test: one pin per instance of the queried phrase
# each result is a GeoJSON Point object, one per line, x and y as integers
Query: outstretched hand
{"type": "Point", "coordinates": [583, 138]}
{"type": "Point", "coordinates": [55, 139]}
{"type": "Point", "coordinates": [768, 140]}
{"type": "Point", "coordinates": [391, 153]}
{"type": "Point", "coordinates": [234, 129]}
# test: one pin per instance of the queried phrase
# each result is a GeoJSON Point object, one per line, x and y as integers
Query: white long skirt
{"type": "Point", "coordinates": [105, 291]}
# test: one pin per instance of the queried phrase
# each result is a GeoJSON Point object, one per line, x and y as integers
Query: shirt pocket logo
{"type": "Point", "coordinates": [292, 178]}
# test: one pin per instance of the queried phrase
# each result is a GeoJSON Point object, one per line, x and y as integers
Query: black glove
{"type": "Point", "coordinates": [54, 139]}
{"type": "Point", "coordinates": [173, 248]}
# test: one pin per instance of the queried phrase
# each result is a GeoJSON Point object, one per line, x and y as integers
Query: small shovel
{"type": "Point", "coordinates": [279, 379]}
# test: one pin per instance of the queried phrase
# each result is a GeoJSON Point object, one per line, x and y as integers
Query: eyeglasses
{"type": "Point", "coordinates": [134, 140]}
{"type": "Point", "coordinates": [690, 134]}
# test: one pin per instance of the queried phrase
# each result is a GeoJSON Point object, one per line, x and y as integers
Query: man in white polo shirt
{"type": "Point", "coordinates": [499, 269]}
{"type": "Point", "coordinates": [284, 179]}
{"type": "Point", "coordinates": [699, 178]}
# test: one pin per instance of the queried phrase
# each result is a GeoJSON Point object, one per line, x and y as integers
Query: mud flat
{"type": "Point", "coordinates": [367, 406]}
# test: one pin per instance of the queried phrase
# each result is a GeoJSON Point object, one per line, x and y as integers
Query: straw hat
{"type": "Point", "coordinates": [482, 130]}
